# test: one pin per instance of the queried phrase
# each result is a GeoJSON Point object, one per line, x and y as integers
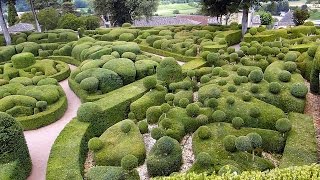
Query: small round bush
{"type": "Point", "coordinates": [129, 55]}
{"type": "Point", "coordinates": [229, 143]}
{"type": "Point", "coordinates": [126, 37]}
{"type": "Point", "coordinates": [223, 74]}
{"type": "Point", "coordinates": [125, 127]}
{"type": "Point", "coordinates": [230, 100]}
{"type": "Point", "coordinates": [243, 143]}
{"type": "Point", "coordinates": [157, 133]}
{"type": "Point", "coordinates": [222, 42]}
{"type": "Point", "coordinates": [95, 144]}
{"type": "Point", "coordinates": [193, 110]}
{"type": "Point", "coordinates": [126, 25]}
{"type": "Point", "coordinates": [285, 76]}
{"type": "Point", "coordinates": [255, 112]}
{"type": "Point", "coordinates": [252, 51]}
{"type": "Point", "coordinates": [280, 56]}
{"type": "Point", "coordinates": [256, 76]}
{"type": "Point", "coordinates": [232, 88]}
{"type": "Point", "coordinates": [131, 116]}
{"type": "Point", "coordinates": [42, 105]}
{"type": "Point", "coordinates": [290, 66]}
{"type": "Point", "coordinates": [222, 82]}
{"type": "Point", "coordinates": [242, 71]}
{"type": "Point", "coordinates": [169, 97]}
{"type": "Point", "coordinates": [274, 87]}
{"type": "Point", "coordinates": [23, 60]}
{"type": "Point", "coordinates": [202, 119]}
{"type": "Point", "coordinates": [253, 31]}
{"type": "Point", "coordinates": [90, 84]}
{"type": "Point", "coordinates": [231, 50]}
{"type": "Point", "coordinates": [212, 57]}
{"type": "Point", "coordinates": [234, 57]}
{"type": "Point", "coordinates": [212, 103]}
{"type": "Point", "coordinates": [47, 81]}
{"type": "Point", "coordinates": [191, 73]}
{"type": "Point", "coordinates": [165, 145]}
{"type": "Point", "coordinates": [165, 107]}
{"type": "Point", "coordinates": [265, 50]}
{"type": "Point", "coordinates": [237, 122]}
{"type": "Point", "coordinates": [246, 96]}
{"type": "Point", "coordinates": [184, 102]}
{"type": "Point", "coordinates": [290, 56]}
{"type": "Point", "coordinates": [284, 50]}
{"type": "Point", "coordinates": [204, 54]}
{"type": "Point", "coordinates": [204, 79]}
{"type": "Point", "coordinates": [216, 71]}
{"type": "Point", "coordinates": [299, 90]}
{"type": "Point", "coordinates": [237, 80]}
{"type": "Point", "coordinates": [143, 127]}
{"type": "Point", "coordinates": [255, 88]}
{"type": "Point", "coordinates": [230, 169]}
{"type": "Point", "coordinates": [116, 54]}
{"type": "Point", "coordinates": [275, 51]}
{"type": "Point", "coordinates": [204, 159]}
{"type": "Point", "coordinates": [153, 113]}
{"type": "Point", "coordinates": [219, 116]}
{"type": "Point", "coordinates": [244, 79]}
{"type": "Point", "coordinates": [312, 51]}
{"type": "Point", "coordinates": [244, 49]}
{"type": "Point", "coordinates": [89, 112]}
{"type": "Point", "coordinates": [204, 132]}
{"type": "Point", "coordinates": [150, 82]}
{"type": "Point", "coordinates": [255, 139]}
{"type": "Point", "coordinates": [283, 125]}
{"type": "Point", "coordinates": [221, 51]}
{"type": "Point", "coordinates": [129, 162]}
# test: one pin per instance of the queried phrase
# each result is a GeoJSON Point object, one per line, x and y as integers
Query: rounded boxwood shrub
{"type": "Point", "coordinates": [219, 116]}
{"type": "Point", "coordinates": [290, 56]}
{"type": "Point", "coordinates": [212, 103]}
{"type": "Point", "coordinates": [221, 51]}
{"type": "Point", "coordinates": [42, 105]}
{"type": "Point", "coordinates": [237, 80]}
{"type": "Point", "coordinates": [125, 127]}
{"type": "Point", "coordinates": [253, 31]}
{"type": "Point", "coordinates": [274, 87]}
{"type": "Point", "coordinates": [283, 125]}
{"type": "Point", "coordinates": [281, 56]}
{"type": "Point", "coordinates": [243, 143]}
{"type": "Point", "coordinates": [229, 143]}
{"type": "Point", "coordinates": [169, 97]}
{"type": "Point", "coordinates": [89, 112]}
{"type": "Point", "coordinates": [150, 82]}
{"type": "Point", "coordinates": [23, 60]}
{"type": "Point", "coordinates": [153, 114]}
{"type": "Point", "coordinates": [204, 79]}
{"type": "Point", "coordinates": [232, 88]}
{"type": "Point", "coordinates": [169, 71]}
{"type": "Point", "coordinates": [228, 169]}
{"type": "Point", "coordinates": [312, 51]}
{"type": "Point", "coordinates": [252, 51]}
{"type": "Point", "coordinates": [115, 54]}
{"type": "Point", "coordinates": [90, 84]}
{"type": "Point", "coordinates": [254, 88]}
{"type": "Point", "coordinates": [184, 102]}
{"type": "Point", "coordinates": [212, 57]}
{"type": "Point", "coordinates": [165, 107]}
{"type": "Point", "coordinates": [299, 90]}
{"type": "Point", "coordinates": [231, 50]}
{"type": "Point", "coordinates": [255, 139]}
{"type": "Point", "coordinates": [157, 133]}
{"type": "Point", "coordinates": [204, 132]}
{"type": "Point", "coordinates": [285, 76]}
{"type": "Point", "coordinates": [129, 162]}
{"type": "Point", "coordinates": [255, 112]}
{"type": "Point", "coordinates": [143, 127]}
{"type": "Point", "coordinates": [47, 81]}
{"type": "Point", "coordinates": [237, 122]}
{"type": "Point", "coordinates": [234, 57]}
{"type": "Point", "coordinates": [95, 144]}
{"type": "Point", "coordinates": [202, 119]}
{"type": "Point", "coordinates": [244, 79]}
{"type": "Point", "coordinates": [246, 96]}
{"type": "Point", "coordinates": [129, 55]}
{"type": "Point", "coordinates": [242, 71]}
{"type": "Point", "coordinates": [222, 82]}
{"type": "Point", "coordinates": [131, 116]}
{"type": "Point", "coordinates": [290, 66]}
{"type": "Point", "coordinates": [230, 100]}
{"type": "Point", "coordinates": [223, 73]}
{"type": "Point", "coordinates": [126, 37]}
{"type": "Point", "coordinates": [204, 159]}
{"type": "Point", "coordinates": [256, 76]}
{"type": "Point", "coordinates": [193, 110]}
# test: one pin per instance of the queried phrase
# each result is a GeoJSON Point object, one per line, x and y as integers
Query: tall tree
{"type": "Point", "coordinates": [68, 7]}
{"type": "Point", "coordinates": [219, 8]}
{"type": "Point", "coordinates": [35, 15]}
{"type": "Point", "coordinates": [41, 4]}
{"type": "Point", "coordinates": [4, 27]}
{"type": "Point", "coordinates": [12, 12]}
{"type": "Point", "coordinates": [125, 11]}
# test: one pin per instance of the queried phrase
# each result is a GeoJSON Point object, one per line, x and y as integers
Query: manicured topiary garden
{"type": "Point", "coordinates": [163, 100]}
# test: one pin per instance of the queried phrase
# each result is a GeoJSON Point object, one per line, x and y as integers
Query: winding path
{"type": "Point", "coordinates": [41, 140]}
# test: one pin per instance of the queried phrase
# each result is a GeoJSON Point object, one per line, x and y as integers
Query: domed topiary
{"type": "Point", "coordinates": [274, 87]}
{"type": "Point", "coordinates": [244, 79]}
{"type": "Point", "coordinates": [212, 103]}
{"type": "Point", "coordinates": [237, 122]}
{"type": "Point", "coordinates": [202, 119]}
{"type": "Point", "coordinates": [222, 82]}
{"type": "Point", "coordinates": [275, 51]}
{"type": "Point", "coordinates": [153, 113]}
{"type": "Point", "coordinates": [150, 82]}
{"type": "Point", "coordinates": [216, 71]}
{"type": "Point", "coordinates": [290, 66]}
{"type": "Point", "coordinates": [165, 107]}
{"type": "Point", "coordinates": [228, 169]}
{"type": "Point", "coordinates": [253, 31]}
{"type": "Point", "coordinates": [42, 105]}
{"type": "Point", "coordinates": [95, 144]}
{"type": "Point", "coordinates": [143, 127]}
{"type": "Point", "coordinates": [204, 132]}
{"type": "Point", "coordinates": [204, 159]}
{"type": "Point", "coordinates": [184, 102]}
{"type": "Point", "coordinates": [23, 60]}
{"type": "Point", "coordinates": [255, 139]}
{"type": "Point", "coordinates": [280, 56]}
{"type": "Point", "coordinates": [246, 96]}
{"type": "Point", "coordinates": [126, 37]}
{"type": "Point", "coordinates": [165, 145]}
{"type": "Point", "coordinates": [90, 84]}
{"type": "Point", "coordinates": [252, 51]}
{"type": "Point", "coordinates": [125, 127]}
{"type": "Point", "coordinates": [254, 112]}
{"type": "Point", "coordinates": [129, 162]}
{"type": "Point", "coordinates": [169, 71]}
{"type": "Point", "coordinates": [219, 116]}
{"type": "Point", "coordinates": [212, 58]}
{"type": "Point", "coordinates": [231, 50]}
{"type": "Point", "coordinates": [232, 88]}
{"type": "Point", "coordinates": [290, 56]}
{"type": "Point", "coordinates": [256, 76]}
{"type": "Point", "coordinates": [299, 90]}
{"type": "Point", "coordinates": [204, 79]}
{"type": "Point", "coordinates": [223, 73]}
{"type": "Point", "coordinates": [89, 112]}
{"type": "Point", "coordinates": [191, 73]}
{"type": "Point", "coordinates": [230, 100]}
{"type": "Point", "coordinates": [242, 71]}
{"type": "Point", "coordinates": [221, 51]}
{"type": "Point", "coordinates": [237, 80]}
{"type": "Point", "coordinates": [157, 133]}
{"type": "Point", "coordinates": [229, 143]}
{"type": "Point", "coordinates": [234, 57]}
{"type": "Point", "coordinates": [285, 76]}
{"type": "Point", "coordinates": [265, 50]}
{"type": "Point", "coordinates": [283, 125]}
{"type": "Point", "coordinates": [243, 143]}
{"type": "Point", "coordinates": [193, 110]}
{"type": "Point", "coordinates": [169, 97]}
{"type": "Point", "coordinates": [254, 88]}
{"type": "Point", "coordinates": [312, 51]}
{"type": "Point", "coordinates": [131, 116]}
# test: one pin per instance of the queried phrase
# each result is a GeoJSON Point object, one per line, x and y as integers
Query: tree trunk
{"type": "Point", "coordinates": [35, 16]}
{"type": "Point", "coordinates": [4, 28]}
{"type": "Point", "coordinates": [245, 17]}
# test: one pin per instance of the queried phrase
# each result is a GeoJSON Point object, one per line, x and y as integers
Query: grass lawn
{"type": "Point", "coordinates": [167, 10]}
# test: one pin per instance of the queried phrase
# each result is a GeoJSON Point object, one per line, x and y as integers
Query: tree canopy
{"type": "Point", "coordinates": [125, 11]}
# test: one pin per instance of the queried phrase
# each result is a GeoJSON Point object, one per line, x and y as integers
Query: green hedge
{"type": "Point", "coordinates": [66, 59]}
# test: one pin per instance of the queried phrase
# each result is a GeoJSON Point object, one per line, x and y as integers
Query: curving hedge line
{"type": "Point", "coordinates": [66, 59]}
{"type": "Point", "coordinates": [63, 74]}
{"type": "Point", "coordinates": [160, 52]}
{"type": "Point", "coordinates": [68, 154]}
{"type": "Point", "coordinates": [52, 114]}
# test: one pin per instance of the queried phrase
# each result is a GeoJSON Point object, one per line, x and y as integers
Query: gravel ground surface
{"type": "Point", "coordinates": [40, 141]}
